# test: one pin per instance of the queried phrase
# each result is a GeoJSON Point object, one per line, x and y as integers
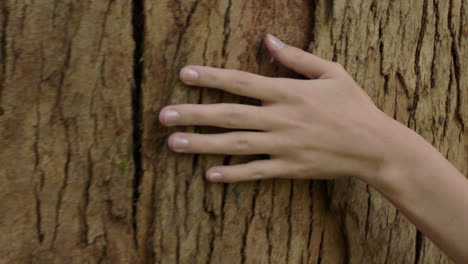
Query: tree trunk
{"type": "Point", "coordinates": [86, 175]}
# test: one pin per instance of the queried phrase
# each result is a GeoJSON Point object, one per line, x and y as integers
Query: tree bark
{"type": "Point", "coordinates": [86, 174]}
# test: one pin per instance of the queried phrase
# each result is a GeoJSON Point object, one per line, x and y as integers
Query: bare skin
{"type": "Point", "coordinates": [324, 128]}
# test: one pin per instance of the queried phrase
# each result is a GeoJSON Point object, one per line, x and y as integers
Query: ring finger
{"type": "Point", "coordinates": [232, 143]}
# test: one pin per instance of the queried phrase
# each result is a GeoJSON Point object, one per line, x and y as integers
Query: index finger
{"type": "Point", "coordinates": [233, 81]}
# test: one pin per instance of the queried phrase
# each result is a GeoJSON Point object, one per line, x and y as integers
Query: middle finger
{"type": "Point", "coordinates": [225, 115]}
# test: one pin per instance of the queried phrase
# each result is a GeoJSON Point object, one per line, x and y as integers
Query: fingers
{"type": "Point", "coordinates": [254, 170]}
{"type": "Point", "coordinates": [232, 143]}
{"type": "Point", "coordinates": [298, 60]}
{"type": "Point", "coordinates": [220, 115]}
{"type": "Point", "coordinates": [233, 81]}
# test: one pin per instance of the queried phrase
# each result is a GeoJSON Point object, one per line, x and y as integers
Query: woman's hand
{"type": "Point", "coordinates": [325, 127]}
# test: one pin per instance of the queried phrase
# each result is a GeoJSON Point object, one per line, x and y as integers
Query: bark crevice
{"type": "Point", "coordinates": [248, 223]}
{"type": "Point", "coordinates": [184, 29]}
{"type": "Point", "coordinates": [226, 32]}
{"type": "Point", "coordinates": [418, 247]}
{"type": "Point", "coordinates": [417, 67]}
{"type": "Point", "coordinates": [456, 65]}
{"type": "Point", "coordinates": [61, 192]}
{"type": "Point", "coordinates": [3, 50]}
{"type": "Point", "coordinates": [138, 23]}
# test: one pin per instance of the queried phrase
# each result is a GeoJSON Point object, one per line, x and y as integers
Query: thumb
{"type": "Point", "coordinates": [298, 60]}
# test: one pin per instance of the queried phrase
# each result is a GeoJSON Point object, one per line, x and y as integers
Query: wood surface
{"type": "Point", "coordinates": [86, 175]}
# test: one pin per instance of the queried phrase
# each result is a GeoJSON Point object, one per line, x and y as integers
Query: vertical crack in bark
{"type": "Point", "coordinates": [138, 23]}
{"type": "Point", "coordinates": [448, 101]}
{"type": "Point", "coordinates": [248, 222]}
{"type": "Point", "coordinates": [401, 80]}
{"type": "Point", "coordinates": [205, 47]}
{"type": "Point", "coordinates": [417, 67]}
{"type": "Point", "coordinates": [195, 157]}
{"type": "Point", "coordinates": [457, 66]}
{"type": "Point", "coordinates": [291, 191]}
{"type": "Point", "coordinates": [58, 107]}
{"type": "Point", "coordinates": [311, 220]}
{"type": "Point", "coordinates": [61, 192]}
{"type": "Point", "coordinates": [103, 31]}
{"type": "Point", "coordinates": [226, 32]}
{"type": "Point", "coordinates": [395, 101]}
{"type": "Point", "coordinates": [269, 222]}
{"type": "Point", "coordinates": [37, 171]}
{"type": "Point", "coordinates": [343, 228]}
{"type": "Point", "coordinates": [320, 255]}
{"type": "Point", "coordinates": [211, 246]}
{"type": "Point", "coordinates": [149, 249]}
{"type": "Point", "coordinates": [89, 180]}
{"type": "Point", "coordinates": [184, 30]}
{"type": "Point", "coordinates": [369, 203]}
{"type": "Point", "coordinates": [40, 233]}
{"type": "Point", "coordinates": [437, 39]}
{"type": "Point", "coordinates": [388, 245]}
{"type": "Point", "coordinates": [226, 161]}
{"type": "Point", "coordinates": [178, 242]}
{"type": "Point", "coordinates": [3, 49]}
{"type": "Point", "coordinates": [310, 33]}
{"type": "Point", "coordinates": [419, 238]}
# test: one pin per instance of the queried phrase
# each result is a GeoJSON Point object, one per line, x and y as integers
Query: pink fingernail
{"type": "Point", "coordinates": [215, 176]}
{"type": "Point", "coordinates": [278, 44]}
{"type": "Point", "coordinates": [189, 74]}
{"type": "Point", "coordinates": [171, 116]}
{"type": "Point", "coordinates": [180, 142]}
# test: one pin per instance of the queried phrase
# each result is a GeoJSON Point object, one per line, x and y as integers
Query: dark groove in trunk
{"type": "Point", "coordinates": [138, 22]}
{"type": "Point", "coordinates": [418, 248]}
{"type": "Point", "coordinates": [417, 68]}
{"type": "Point", "coordinates": [3, 50]}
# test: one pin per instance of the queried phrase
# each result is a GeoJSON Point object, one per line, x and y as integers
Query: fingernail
{"type": "Point", "coordinates": [171, 116]}
{"type": "Point", "coordinates": [190, 74]}
{"type": "Point", "coordinates": [278, 44]}
{"type": "Point", "coordinates": [180, 142]}
{"type": "Point", "coordinates": [215, 176]}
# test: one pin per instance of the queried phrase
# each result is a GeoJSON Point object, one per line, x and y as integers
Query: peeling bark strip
{"type": "Point", "coordinates": [86, 176]}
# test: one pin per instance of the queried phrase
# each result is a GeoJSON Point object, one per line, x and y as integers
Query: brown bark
{"type": "Point", "coordinates": [66, 133]}
{"type": "Point", "coordinates": [86, 176]}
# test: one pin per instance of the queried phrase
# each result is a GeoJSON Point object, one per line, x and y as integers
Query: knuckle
{"type": "Point", "coordinates": [242, 144]}
{"type": "Point", "coordinates": [194, 116]}
{"type": "Point", "coordinates": [232, 115]}
{"type": "Point", "coordinates": [239, 85]}
{"type": "Point", "coordinates": [241, 79]}
{"type": "Point", "coordinates": [259, 174]}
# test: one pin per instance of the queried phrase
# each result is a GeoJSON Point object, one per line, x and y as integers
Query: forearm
{"type": "Point", "coordinates": [428, 190]}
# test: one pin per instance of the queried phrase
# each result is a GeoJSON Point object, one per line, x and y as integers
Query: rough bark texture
{"type": "Point", "coordinates": [65, 132]}
{"type": "Point", "coordinates": [86, 176]}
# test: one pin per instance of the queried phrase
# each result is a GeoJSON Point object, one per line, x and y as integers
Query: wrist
{"type": "Point", "coordinates": [404, 153]}
{"type": "Point", "coordinates": [398, 151]}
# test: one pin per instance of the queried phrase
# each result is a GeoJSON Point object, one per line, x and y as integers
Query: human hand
{"type": "Point", "coordinates": [324, 127]}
